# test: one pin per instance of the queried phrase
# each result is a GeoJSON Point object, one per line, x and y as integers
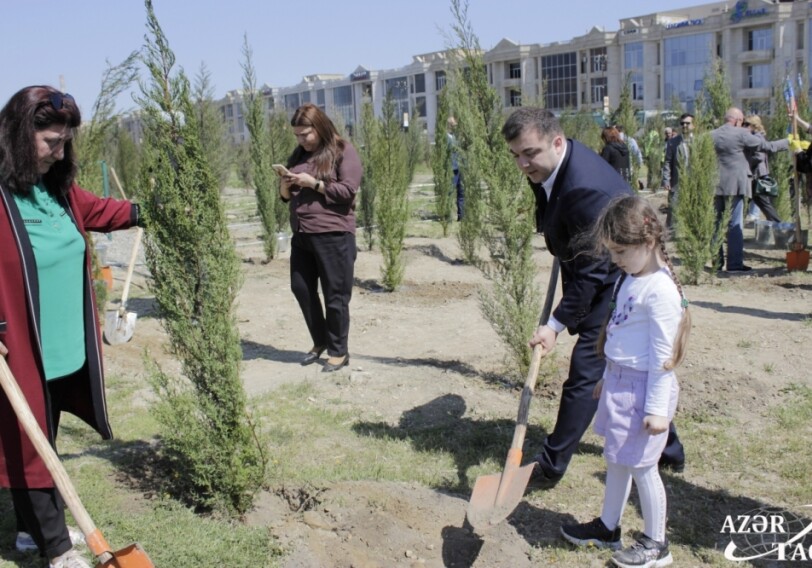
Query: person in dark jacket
{"type": "Point", "coordinates": [573, 186]}
{"type": "Point", "coordinates": [49, 327]}
{"type": "Point", "coordinates": [616, 152]}
{"type": "Point", "coordinates": [324, 177]}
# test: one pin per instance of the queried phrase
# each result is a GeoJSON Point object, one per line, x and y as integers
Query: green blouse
{"type": "Point", "coordinates": [59, 251]}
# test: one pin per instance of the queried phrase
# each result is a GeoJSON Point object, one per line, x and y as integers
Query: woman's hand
{"type": "Point", "coordinates": [3, 349]}
{"type": "Point", "coordinates": [596, 392]}
{"type": "Point", "coordinates": [655, 424]}
{"type": "Point", "coordinates": [302, 179]}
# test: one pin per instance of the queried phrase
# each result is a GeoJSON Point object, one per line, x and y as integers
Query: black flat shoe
{"type": "Point", "coordinates": [330, 367]}
{"type": "Point", "coordinates": [313, 355]}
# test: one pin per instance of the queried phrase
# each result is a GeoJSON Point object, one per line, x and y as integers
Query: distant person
{"type": "Point", "coordinates": [643, 340]}
{"type": "Point", "coordinates": [49, 320]}
{"type": "Point", "coordinates": [634, 148]}
{"type": "Point", "coordinates": [730, 142]}
{"type": "Point", "coordinates": [453, 146]}
{"type": "Point", "coordinates": [616, 152]}
{"type": "Point", "coordinates": [759, 168]}
{"type": "Point", "coordinates": [323, 180]}
{"type": "Point", "coordinates": [572, 185]}
{"type": "Point", "coordinates": [677, 154]}
{"type": "Point", "coordinates": [669, 133]}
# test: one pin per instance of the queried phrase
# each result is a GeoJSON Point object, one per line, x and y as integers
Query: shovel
{"type": "Point", "coordinates": [495, 496]}
{"type": "Point", "coordinates": [119, 324]}
{"type": "Point", "coordinates": [132, 556]}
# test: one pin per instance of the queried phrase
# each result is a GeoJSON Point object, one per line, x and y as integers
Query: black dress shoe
{"type": "Point", "coordinates": [313, 355]}
{"type": "Point", "coordinates": [742, 268]}
{"type": "Point", "coordinates": [672, 465]}
{"type": "Point", "coordinates": [330, 367]}
{"type": "Point", "coordinates": [540, 479]}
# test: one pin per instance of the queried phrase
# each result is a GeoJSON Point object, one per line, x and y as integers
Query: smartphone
{"type": "Point", "coordinates": [280, 170]}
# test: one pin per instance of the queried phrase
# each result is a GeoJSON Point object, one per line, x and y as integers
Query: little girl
{"type": "Point", "coordinates": [643, 340]}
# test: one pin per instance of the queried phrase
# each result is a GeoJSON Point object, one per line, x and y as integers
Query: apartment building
{"type": "Point", "coordinates": [663, 55]}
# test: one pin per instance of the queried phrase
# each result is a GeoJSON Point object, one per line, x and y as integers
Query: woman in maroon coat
{"type": "Point", "coordinates": [49, 331]}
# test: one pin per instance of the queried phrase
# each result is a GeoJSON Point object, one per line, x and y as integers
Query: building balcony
{"type": "Point", "coordinates": [755, 55]}
{"type": "Point", "coordinates": [760, 93]}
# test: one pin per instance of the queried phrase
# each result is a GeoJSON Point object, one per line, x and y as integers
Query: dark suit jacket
{"type": "Point", "coordinates": [583, 187]}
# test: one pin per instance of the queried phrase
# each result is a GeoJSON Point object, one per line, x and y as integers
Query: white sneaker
{"type": "Point", "coordinates": [25, 542]}
{"type": "Point", "coordinates": [71, 559]}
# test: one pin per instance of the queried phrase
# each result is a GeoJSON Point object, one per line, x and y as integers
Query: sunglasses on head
{"type": "Point", "coordinates": [745, 124]}
{"type": "Point", "coordinates": [58, 99]}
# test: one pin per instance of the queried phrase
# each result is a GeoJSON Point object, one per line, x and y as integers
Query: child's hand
{"type": "Point", "coordinates": [596, 392]}
{"type": "Point", "coordinates": [655, 424]}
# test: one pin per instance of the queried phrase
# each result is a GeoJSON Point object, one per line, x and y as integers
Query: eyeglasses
{"type": "Point", "coordinates": [58, 99]}
{"type": "Point", "coordinates": [685, 123]}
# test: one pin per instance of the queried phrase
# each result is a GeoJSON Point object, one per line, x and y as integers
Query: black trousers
{"type": "Point", "coordinates": [577, 408]}
{"type": "Point", "coordinates": [328, 258]}
{"type": "Point", "coordinates": [765, 204]}
{"type": "Point", "coordinates": [41, 512]}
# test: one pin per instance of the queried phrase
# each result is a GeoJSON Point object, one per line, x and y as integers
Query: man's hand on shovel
{"type": "Point", "coordinates": [544, 336]}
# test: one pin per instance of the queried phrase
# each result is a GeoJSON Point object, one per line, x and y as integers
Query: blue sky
{"type": "Point", "coordinates": [50, 41]}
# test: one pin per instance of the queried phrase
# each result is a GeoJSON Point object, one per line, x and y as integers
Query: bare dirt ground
{"type": "Point", "coordinates": [426, 352]}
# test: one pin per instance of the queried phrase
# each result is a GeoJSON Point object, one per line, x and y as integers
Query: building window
{"type": "Point", "coordinates": [292, 102]}
{"type": "Point", "coordinates": [514, 70]}
{"type": "Point", "coordinates": [229, 111]}
{"type": "Point", "coordinates": [343, 104]}
{"type": "Point", "coordinates": [514, 98]}
{"type": "Point", "coordinates": [633, 56]}
{"type": "Point", "coordinates": [598, 89]}
{"type": "Point", "coordinates": [799, 36]}
{"type": "Point", "coordinates": [439, 80]}
{"type": "Point", "coordinates": [559, 74]}
{"type": "Point", "coordinates": [420, 83]}
{"type": "Point", "coordinates": [636, 85]}
{"type": "Point", "coordinates": [761, 107]}
{"type": "Point", "coordinates": [398, 90]}
{"type": "Point", "coordinates": [758, 76]}
{"type": "Point", "coordinates": [686, 59]}
{"type": "Point", "coordinates": [760, 39]}
{"type": "Point", "coordinates": [420, 107]}
{"type": "Point", "coordinates": [306, 97]}
{"type": "Point", "coordinates": [597, 57]}
{"type": "Point", "coordinates": [320, 98]}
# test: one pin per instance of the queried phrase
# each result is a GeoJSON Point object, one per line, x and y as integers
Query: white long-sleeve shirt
{"type": "Point", "coordinates": [641, 332]}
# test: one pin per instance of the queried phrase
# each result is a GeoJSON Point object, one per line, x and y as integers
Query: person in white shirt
{"type": "Point", "coordinates": [643, 340]}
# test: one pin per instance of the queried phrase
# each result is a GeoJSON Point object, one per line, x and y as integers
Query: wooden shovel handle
{"type": "Point", "coordinates": [535, 363]}
{"type": "Point", "coordinates": [55, 467]}
{"type": "Point", "coordinates": [128, 280]}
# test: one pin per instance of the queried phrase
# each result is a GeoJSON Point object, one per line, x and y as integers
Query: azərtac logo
{"type": "Point", "coordinates": [768, 533]}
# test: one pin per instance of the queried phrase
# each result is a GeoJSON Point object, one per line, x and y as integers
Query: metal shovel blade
{"type": "Point", "coordinates": [132, 556]}
{"type": "Point", "coordinates": [118, 326]}
{"type": "Point", "coordinates": [496, 496]}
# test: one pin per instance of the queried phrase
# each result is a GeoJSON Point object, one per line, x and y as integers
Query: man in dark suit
{"type": "Point", "coordinates": [572, 185]}
{"type": "Point", "coordinates": [677, 152]}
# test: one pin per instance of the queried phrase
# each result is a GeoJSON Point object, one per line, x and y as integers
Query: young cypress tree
{"type": "Point", "coordinates": [280, 146]}
{"type": "Point", "coordinates": [365, 142]}
{"type": "Point", "coordinates": [208, 438]}
{"type": "Point", "coordinates": [213, 130]}
{"type": "Point", "coordinates": [581, 126]}
{"type": "Point", "coordinates": [390, 178]}
{"type": "Point", "coordinates": [694, 214]}
{"type": "Point", "coordinates": [97, 139]}
{"type": "Point", "coordinates": [264, 178]}
{"type": "Point", "coordinates": [498, 200]}
{"type": "Point", "coordinates": [444, 190]}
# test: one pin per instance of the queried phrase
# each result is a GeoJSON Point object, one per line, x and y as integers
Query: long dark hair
{"type": "Point", "coordinates": [30, 110]}
{"type": "Point", "coordinates": [331, 144]}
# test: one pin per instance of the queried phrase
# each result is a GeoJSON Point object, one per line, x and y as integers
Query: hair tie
{"type": "Point", "coordinates": [684, 302]}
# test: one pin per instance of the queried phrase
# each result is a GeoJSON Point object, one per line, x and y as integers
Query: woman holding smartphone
{"type": "Point", "coordinates": [324, 175]}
